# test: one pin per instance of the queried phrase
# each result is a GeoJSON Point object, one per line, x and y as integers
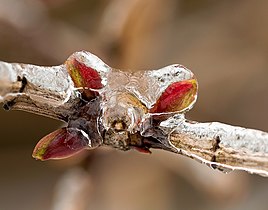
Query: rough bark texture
{"type": "Point", "coordinates": [221, 146]}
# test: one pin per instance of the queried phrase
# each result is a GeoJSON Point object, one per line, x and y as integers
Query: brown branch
{"type": "Point", "coordinates": [41, 90]}
{"type": "Point", "coordinates": [220, 146]}
{"type": "Point", "coordinates": [50, 91]}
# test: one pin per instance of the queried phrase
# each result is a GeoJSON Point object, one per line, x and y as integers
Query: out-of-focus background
{"type": "Point", "coordinates": [223, 42]}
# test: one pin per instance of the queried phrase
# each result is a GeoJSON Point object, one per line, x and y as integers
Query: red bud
{"type": "Point", "coordinates": [60, 144]}
{"type": "Point", "coordinates": [177, 97]}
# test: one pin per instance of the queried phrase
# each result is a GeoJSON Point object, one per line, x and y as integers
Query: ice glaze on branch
{"type": "Point", "coordinates": [41, 90]}
{"type": "Point", "coordinates": [54, 92]}
{"type": "Point", "coordinates": [220, 146]}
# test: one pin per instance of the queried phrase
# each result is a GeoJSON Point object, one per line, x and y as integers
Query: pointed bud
{"type": "Point", "coordinates": [84, 77]}
{"type": "Point", "coordinates": [177, 97]}
{"type": "Point", "coordinates": [60, 144]}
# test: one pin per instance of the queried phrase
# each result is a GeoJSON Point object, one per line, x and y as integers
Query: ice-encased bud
{"type": "Point", "coordinates": [115, 105]}
{"type": "Point", "coordinates": [88, 73]}
{"type": "Point", "coordinates": [122, 111]}
{"type": "Point", "coordinates": [62, 143]}
{"type": "Point", "coordinates": [173, 87]}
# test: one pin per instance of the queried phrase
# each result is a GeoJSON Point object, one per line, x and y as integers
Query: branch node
{"type": "Point", "coordinates": [8, 105]}
{"type": "Point", "coordinates": [23, 81]}
{"type": "Point", "coordinates": [216, 144]}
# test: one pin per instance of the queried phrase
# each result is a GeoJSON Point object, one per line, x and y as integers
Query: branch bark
{"type": "Point", "coordinates": [50, 91]}
{"type": "Point", "coordinates": [41, 90]}
{"type": "Point", "coordinates": [220, 146]}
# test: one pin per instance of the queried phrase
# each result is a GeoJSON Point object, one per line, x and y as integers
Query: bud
{"type": "Point", "coordinates": [84, 77]}
{"type": "Point", "coordinates": [60, 144]}
{"type": "Point", "coordinates": [177, 97]}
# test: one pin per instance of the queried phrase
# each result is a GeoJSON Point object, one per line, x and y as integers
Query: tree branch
{"type": "Point", "coordinates": [41, 90]}
{"type": "Point", "coordinates": [50, 91]}
{"type": "Point", "coordinates": [220, 146]}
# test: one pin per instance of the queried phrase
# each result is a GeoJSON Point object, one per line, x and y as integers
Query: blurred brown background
{"type": "Point", "coordinates": [223, 42]}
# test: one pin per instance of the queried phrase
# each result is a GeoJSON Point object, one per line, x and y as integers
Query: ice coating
{"type": "Point", "coordinates": [149, 85]}
{"type": "Point", "coordinates": [91, 61]}
{"type": "Point", "coordinates": [60, 144]}
{"type": "Point", "coordinates": [218, 145]}
{"type": "Point", "coordinates": [117, 104]}
{"type": "Point", "coordinates": [132, 96]}
{"type": "Point", "coordinates": [139, 110]}
{"type": "Point", "coordinates": [127, 98]}
{"type": "Point", "coordinates": [82, 132]}
{"type": "Point", "coordinates": [178, 97]}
